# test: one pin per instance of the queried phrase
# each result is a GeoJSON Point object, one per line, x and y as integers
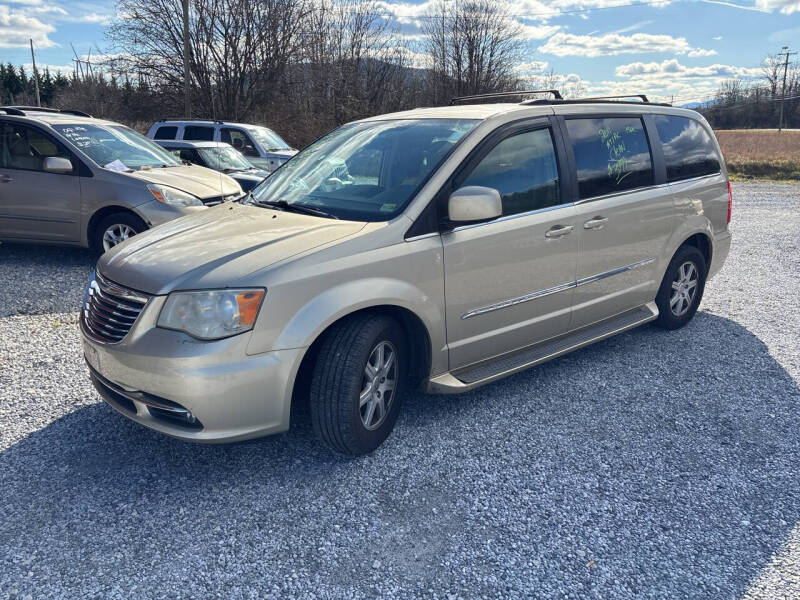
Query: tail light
{"type": "Point", "coordinates": [730, 202]}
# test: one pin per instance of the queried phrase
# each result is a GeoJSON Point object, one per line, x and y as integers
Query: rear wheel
{"type": "Point", "coordinates": [115, 229]}
{"type": "Point", "coordinates": [682, 288]}
{"type": "Point", "coordinates": [358, 382]}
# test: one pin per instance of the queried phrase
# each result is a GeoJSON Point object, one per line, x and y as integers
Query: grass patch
{"type": "Point", "coordinates": [761, 154]}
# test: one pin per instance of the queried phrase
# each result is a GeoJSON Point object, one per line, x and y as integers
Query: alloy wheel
{"type": "Point", "coordinates": [378, 387]}
{"type": "Point", "coordinates": [684, 289]}
{"type": "Point", "coordinates": [116, 234]}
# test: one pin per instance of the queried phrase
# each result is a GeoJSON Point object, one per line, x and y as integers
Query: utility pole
{"type": "Point", "coordinates": [35, 75]}
{"type": "Point", "coordinates": [784, 51]}
{"type": "Point", "coordinates": [186, 81]}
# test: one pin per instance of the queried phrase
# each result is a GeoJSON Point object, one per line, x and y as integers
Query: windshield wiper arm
{"type": "Point", "coordinates": [298, 208]}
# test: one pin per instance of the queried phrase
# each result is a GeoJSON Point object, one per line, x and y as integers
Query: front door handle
{"type": "Point", "coordinates": [596, 223]}
{"type": "Point", "coordinates": [558, 231]}
{"type": "Point", "coordinates": [5, 178]}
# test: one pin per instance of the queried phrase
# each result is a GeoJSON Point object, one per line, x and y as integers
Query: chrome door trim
{"type": "Point", "coordinates": [510, 217]}
{"type": "Point", "coordinates": [612, 272]}
{"type": "Point", "coordinates": [641, 188]}
{"type": "Point", "coordinates": [519, 300]}
{"type": "Point", "coordinates": [555, 289]}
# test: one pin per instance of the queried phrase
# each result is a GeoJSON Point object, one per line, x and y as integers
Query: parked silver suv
{"type": "Point", "coordinates": [68, 178]}
{"type": "Point", "coordinates": [439, 249]}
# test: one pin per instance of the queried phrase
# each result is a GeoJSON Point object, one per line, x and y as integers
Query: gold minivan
{"type": "Point", "coordinates": [68, 178]}
{"type": "Point", "coordinates": [438, 249]}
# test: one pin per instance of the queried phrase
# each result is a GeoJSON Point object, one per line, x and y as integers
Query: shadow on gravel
{"type": "Point", "coordinates": [54, 278]}
{"type": "Point", "coordinates": [655, 463]}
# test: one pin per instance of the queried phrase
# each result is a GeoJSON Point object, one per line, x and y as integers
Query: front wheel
{"type": "Point", "coordinates": [115, 229]}
{"type": "Point", "coordinates": [358, 382]}
{"type": "Point", "coordinates": [682, 288]}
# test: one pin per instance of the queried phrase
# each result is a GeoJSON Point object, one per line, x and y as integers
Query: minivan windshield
{"type": "Point", "coordinates": [365, 171]}
{"type": "Point", "coordinates": [268, 139]}
{"type": "Point", "coordinates": [224, 158]}
{"type": "Point", "coordinates": [116, 147]}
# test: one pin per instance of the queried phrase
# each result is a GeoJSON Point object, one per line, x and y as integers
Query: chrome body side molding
{"type": "Point", "coordinates": [555, 289]}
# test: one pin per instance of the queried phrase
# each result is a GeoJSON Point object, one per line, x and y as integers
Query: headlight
{"type": "Point", "coordinates": [211, 315]}
{"type": "Point", "coordinates": [174, 196]}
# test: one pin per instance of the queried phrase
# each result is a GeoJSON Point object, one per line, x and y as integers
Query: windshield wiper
{"type": "Point", "coordinates": [298, 208]}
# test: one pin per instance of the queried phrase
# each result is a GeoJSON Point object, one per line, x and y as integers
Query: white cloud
{"type": "Point", "coordinates": [672, 68]}
{"type": "Point", "coordinates": [611, 44]}
{"type": "Point", "coordinates": [17, 28]}
{"type": "Point", "coordinates": [717, 38]}
{"type": "Point", "coordinates": [539, 32]}
{"type": "Point", "coordinates": [634, 27]}
{"type": "Point", "coordinates": [535, 66]}
{"type": "Point", "coordinates": [787, 7]}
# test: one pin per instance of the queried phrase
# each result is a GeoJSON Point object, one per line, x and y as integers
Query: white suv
{"type": "Point", "coordinates": [262, 146]}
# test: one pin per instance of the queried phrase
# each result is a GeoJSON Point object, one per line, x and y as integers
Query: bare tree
{"type": "Point", "coordinates": [239, 48]}
{"type": "Point", "coordinates": [473, 47]}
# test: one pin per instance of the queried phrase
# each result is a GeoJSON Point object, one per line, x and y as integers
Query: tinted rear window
{"type": "Point", "coordinates": [166, 133]}
{"type": "Point", "coordinates": [198, 133]}
{"type": "Point", "coordinates": [611, 155]}
{"type": "Point", "coordinates": [689, 150]}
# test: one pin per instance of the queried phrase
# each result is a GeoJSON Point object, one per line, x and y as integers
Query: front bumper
{"type": "Point", "coordinates": [198, 391]}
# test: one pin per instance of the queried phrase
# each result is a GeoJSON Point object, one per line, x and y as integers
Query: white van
{"type": "Point", "coordinates": [262, 146]}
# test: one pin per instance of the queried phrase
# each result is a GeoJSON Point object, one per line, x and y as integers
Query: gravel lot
{"type": "Point", "coordinates": [652, 465]}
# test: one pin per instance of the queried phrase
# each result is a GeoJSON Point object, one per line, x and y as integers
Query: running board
{"type": "Point", "coordinates": [470, 377]}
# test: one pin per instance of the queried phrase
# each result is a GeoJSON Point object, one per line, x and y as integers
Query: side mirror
{"type": "Point", "coordinates": [474, 203]}
{"type": "Point", "coordinates": [57, 164]}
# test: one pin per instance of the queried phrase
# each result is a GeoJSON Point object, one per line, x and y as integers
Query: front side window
{"type": "Point", "coordinates": [116, 147]}
{"type": "Point", "coordinates": [611, 155]}
{"type": "Point", "coordinates": [26, 148]}
{"type": "Point", "coordinates": [166, 132]}
{"type": "Point", "coordinates": [523, 169]}
{"type": "Point", "coordinates": [198, 133]}
{"type": "Point", "coordinates": [365, 171]}
{"type": "Point", "coordinates": [268, 139]}
{"type": "Point", "coordinates": [689, 150]}
{"type": "Point", "coordinates": [239, 140]}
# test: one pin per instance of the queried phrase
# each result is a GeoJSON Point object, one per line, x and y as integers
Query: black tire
{"type": "Point", "coordinates": [339, 378]}
{"type": "Point", "coordinates": [669, 318]}
{"type": "Point", "coordinates": [122, 218]}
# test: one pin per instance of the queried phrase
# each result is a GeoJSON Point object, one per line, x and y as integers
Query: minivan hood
{"type": "Point", "coordinates": [198, 181]}
{"type": "Point", "coordinates": [215, 248]}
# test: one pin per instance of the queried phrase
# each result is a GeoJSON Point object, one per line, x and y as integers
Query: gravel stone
{"type": "Point", "coordinates": [652, 465]}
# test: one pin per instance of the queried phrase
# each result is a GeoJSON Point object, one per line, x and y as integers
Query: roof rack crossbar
{"type": "Point", "coordinates": [642, 97]}
{"type": "Point", "coordinates": [556, 94]}
{"type": "Point", "coordinates": [67, 111]}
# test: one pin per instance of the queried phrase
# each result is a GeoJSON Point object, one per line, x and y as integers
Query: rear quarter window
{"type": "Point", "coordinates": [198, 133]}
{"type": "Point", "coordinates": [611, 155]}
{"type": "Point", "coordinates": [166, 133]}
{"type": "Point", "coordinates": [688, 148]}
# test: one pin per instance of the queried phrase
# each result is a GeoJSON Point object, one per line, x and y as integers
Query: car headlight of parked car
{"type": "Point", "coordinates": [211, 314]}
{"type": "Point", "coordinates": [174, 196]}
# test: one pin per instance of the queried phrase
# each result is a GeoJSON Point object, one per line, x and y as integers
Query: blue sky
{"type": "Point", "coordinates": [681, 48]}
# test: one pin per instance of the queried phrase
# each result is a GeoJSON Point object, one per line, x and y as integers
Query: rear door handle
{"type": "Point", "coordinates": [5, 178]}
{"type": "Point", "coordinates": [558, 231]}
{"type": "Point", "coordinates": [596, 223]}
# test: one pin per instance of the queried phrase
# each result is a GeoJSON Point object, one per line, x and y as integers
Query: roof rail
{"type": "Point", "coordinates": [21, 110]}
{"type": "Point", "coordinates": [556, 95]}
{"type": "Point", "coordinates": [642, 99]}
{"type": "Point", "coordinates": [10, 110]}
{"type": "Point", "coordinates": [169, 119]}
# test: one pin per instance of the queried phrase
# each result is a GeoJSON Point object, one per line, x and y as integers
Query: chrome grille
{"type": "Point", "coordinates": [110, 310]}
